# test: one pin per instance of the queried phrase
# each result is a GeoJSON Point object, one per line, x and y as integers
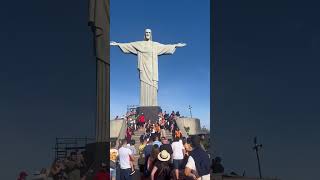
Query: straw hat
{"type": "Point", "coordinates": [164, 156]}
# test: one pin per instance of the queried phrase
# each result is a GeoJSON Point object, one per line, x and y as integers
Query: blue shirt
{"type": "Point", "coordinates": [148, 150]}
{"type": "Point", "coordinates": [158, 143]}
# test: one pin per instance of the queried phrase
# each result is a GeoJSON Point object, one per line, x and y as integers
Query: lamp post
{"type": "Point", "coordinates": [190, 111]}
{"type": "Point", "coordinates": [256, 147]}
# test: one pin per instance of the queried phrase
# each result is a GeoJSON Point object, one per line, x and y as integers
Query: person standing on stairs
{"type": "Point", "coordinates": [166, 146]}
{"type": "Point", "coordinates": [161, 169]}
{"type": "Point", "coordinates": [141, 160]}
{"type": "Point", "coordinates": [128, 134]}
{"type": "Point", "coordinates": [113, 160]}
{"type": "Point", "coordinates": [141, 120]}
{"type": "Point", "coordinates": [177, 155]}
{"type": "Point", "coordinates": [134, 152]}
{"type": "Point", "coordinates": [125, 156]}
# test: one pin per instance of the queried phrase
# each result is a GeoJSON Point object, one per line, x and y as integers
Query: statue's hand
{"type": "Point", "coordinates": [181, 44]}
{"type": "Point", "coordinates": [113, 43]}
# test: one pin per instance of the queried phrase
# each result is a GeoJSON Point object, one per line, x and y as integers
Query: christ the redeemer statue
{"type": "Point", "coordinates": [148, 52]}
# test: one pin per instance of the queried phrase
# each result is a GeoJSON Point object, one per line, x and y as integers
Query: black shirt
{"type": "Point", "coordinates": [166, 147]}
{"type": "Point", "coordinates": [162, 174]}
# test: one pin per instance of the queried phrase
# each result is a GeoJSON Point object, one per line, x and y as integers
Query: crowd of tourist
{"type": "Point", "coordinates": [160, 158]}
{"type": "Point", "coordinates": [164, 122]}
{"type": "Point", "coordinates": [157, 156]}
{"type": "Point", "coordinates": [74, 167]}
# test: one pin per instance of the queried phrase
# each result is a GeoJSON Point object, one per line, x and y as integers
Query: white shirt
{"type": "Point", "coordinates": [192, 165]}
{"type": "Point", "coordinates": [177, 148]}
{"type": "Point", "coordinates": [124, 157]}
{"type": "Point", "coordinates": [132, 148]}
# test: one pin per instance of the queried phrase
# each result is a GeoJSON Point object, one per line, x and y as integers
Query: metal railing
{"type": "Point", "coordinates": [64, 146]}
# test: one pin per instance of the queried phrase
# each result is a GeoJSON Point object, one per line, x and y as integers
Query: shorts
{"type": "Point", "coordinates": [125, 174]}
{"type": "Point", "coordinates": [113, 173]}
{"type": "Point", "coordinates": [177, 164]}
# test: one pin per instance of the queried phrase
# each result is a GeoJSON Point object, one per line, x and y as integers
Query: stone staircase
{"type": "Point", "coordinates": [136, 137]}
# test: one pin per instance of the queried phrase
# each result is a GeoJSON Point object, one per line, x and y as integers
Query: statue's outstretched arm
{"type": "Point", "coordinates": [125, 47]}
{"type": "Point", "coordinates": [113, 43]}
{"type": "Point", "coordinates": [180, 44]}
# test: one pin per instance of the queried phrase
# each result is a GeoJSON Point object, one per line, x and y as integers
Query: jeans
{"type": "Point", "coordinates": [177, 164]}
{"type": "Point", "coordinates": [113, 173]}
{"type": "Point", "coordinates": [125, 174]}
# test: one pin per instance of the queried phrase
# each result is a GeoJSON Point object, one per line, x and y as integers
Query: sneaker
{"type": "Point", "coordinates": [132, 172]}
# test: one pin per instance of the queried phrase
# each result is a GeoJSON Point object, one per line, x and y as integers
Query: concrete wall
{"type": "Point", "coordinates": [118, 128]}
{"type": "Point", "coordinates": [193, 123]}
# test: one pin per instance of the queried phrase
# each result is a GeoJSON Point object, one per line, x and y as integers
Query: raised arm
{"type": "Point", "coordinates": [126, 47]}
{"type": "Point", "coordinates": [153, 172]}
{"type": "Point", "coordinates": [169, 48]}
{"type": "Point", "coordinates": [180, 45]}
{"type": "Point", "coordinates": [113, 43]}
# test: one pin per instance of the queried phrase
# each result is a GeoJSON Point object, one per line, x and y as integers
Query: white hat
{"type": "Point", "coordinates": [164, 155]}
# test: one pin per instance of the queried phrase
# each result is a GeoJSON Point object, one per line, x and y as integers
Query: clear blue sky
{"type": "Point", "coordinates": [184, 76]}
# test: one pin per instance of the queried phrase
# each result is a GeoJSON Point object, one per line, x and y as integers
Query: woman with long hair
{"type": "Point", "coordinates": [128, 134]}
{"type": "Point", "coordinates": [161, 169]}
{"type": "Point", "coordinates": [152, 158]}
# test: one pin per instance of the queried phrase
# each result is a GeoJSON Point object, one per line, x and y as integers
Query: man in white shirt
{"type": "Point", "coordinates": [134, 152]}
{"type": "Point", "coordinates": [177, 155]}
{"type": "Point", "coordinates": [125, 156]}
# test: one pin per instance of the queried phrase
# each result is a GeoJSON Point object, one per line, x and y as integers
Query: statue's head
{"type": "Point", "coordinates": [147, 35]}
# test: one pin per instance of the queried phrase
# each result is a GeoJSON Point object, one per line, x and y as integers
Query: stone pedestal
{"type": "Point", "coordinates": [150, 112]}
{"type": "Point", "coordinates": [192, 123]}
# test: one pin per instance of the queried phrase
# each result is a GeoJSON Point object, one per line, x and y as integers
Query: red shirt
{"type": "Point", "coordinates": [141, 119]}
{"type": "Point", "coordinates": [129, 133]}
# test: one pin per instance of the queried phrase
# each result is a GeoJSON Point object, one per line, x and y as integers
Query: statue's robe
{"type": "Point", "coordinates": [148, 52]}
